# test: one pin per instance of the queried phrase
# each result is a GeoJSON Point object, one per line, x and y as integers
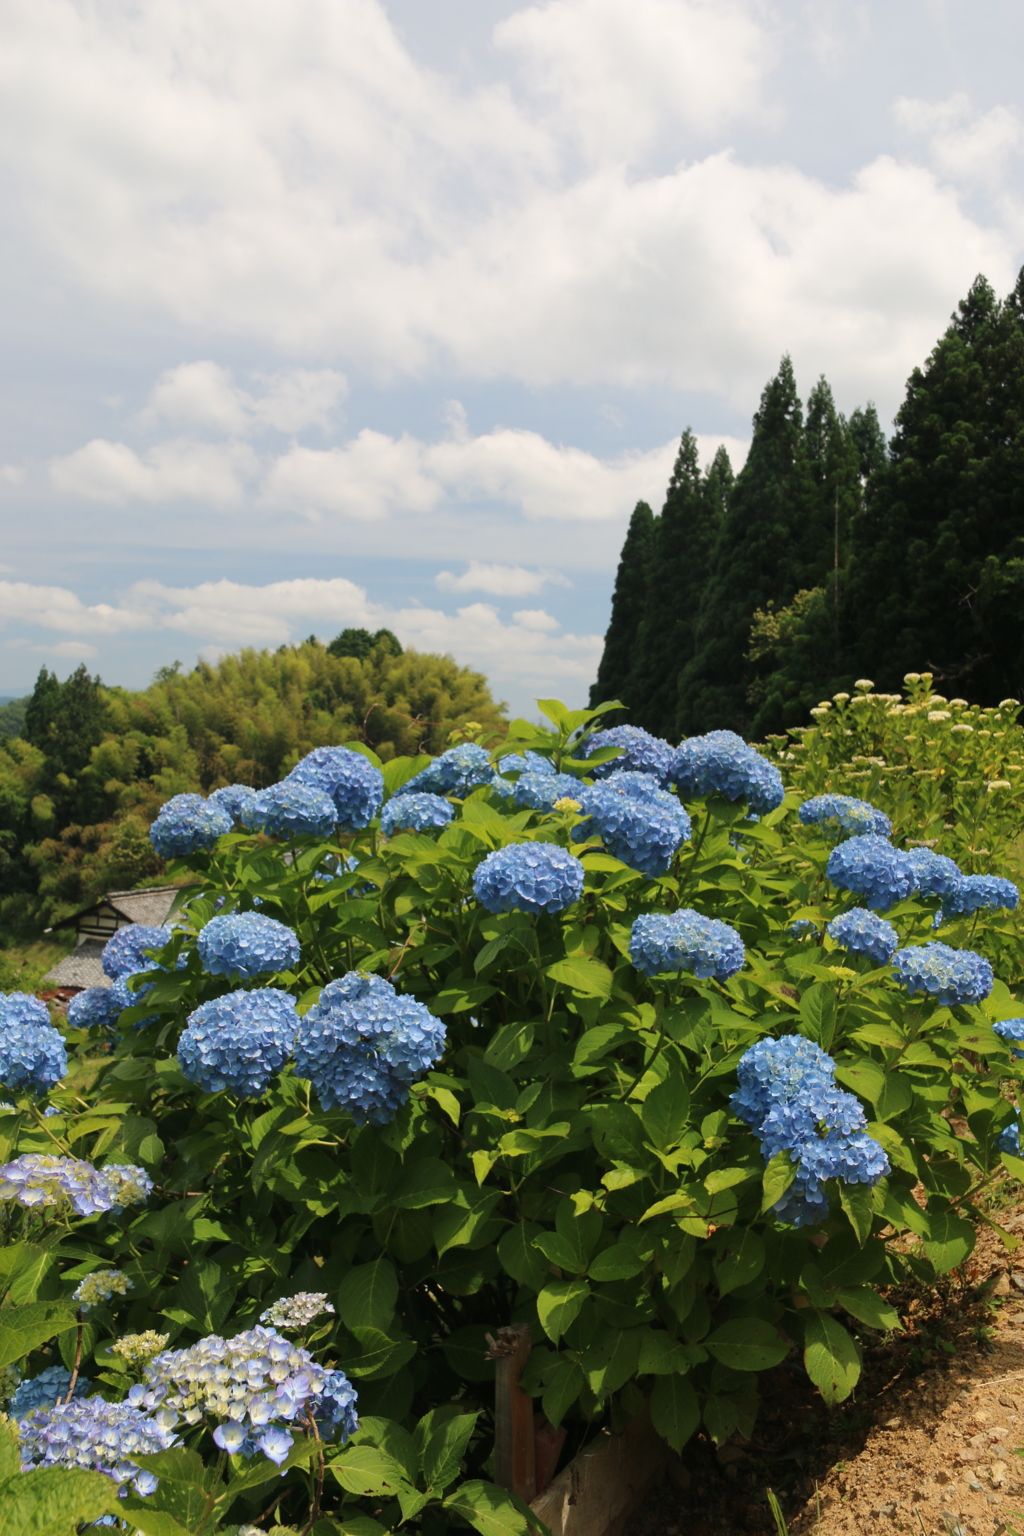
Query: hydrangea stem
{"type": "Point", "coordinates": [72, 1384]}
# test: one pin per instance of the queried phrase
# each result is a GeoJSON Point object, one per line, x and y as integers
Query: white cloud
{"type": "Point", "coordinates": [371, 477]}
{"type": "Point", "coordinates": [12, 474]}
{"type": "Point", "coordinates": [171, 471]}
{"type": "Point", "coordinates": [965, 145]}
{"type": "Point", "coordinates": [499, 580]}
{"type": "Point", "coordinates": [57, 608]}
{"type": "Point", "coordinates": [73, 650]}
{"type": "Point", "coordinates": [205, 394]}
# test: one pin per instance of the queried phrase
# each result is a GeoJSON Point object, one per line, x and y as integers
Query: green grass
{"type": "Point", "coordinates": [23, 966]}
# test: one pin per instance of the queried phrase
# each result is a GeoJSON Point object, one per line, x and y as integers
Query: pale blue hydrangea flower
{"type": "Point", "coordinates": [32, 1056]}
{"type": "Point", "coordinates": [721, 763]}
{"type": "Point", "coordinates": [291, 809]}
{"type": "Point", "coordinates": [363, 1045]}
{"type": "Point", "coordinates": [839, 816]}
{"type": "Point", "coordinates": [952, 976]}
{"type": "Point", "coordinates": [350, 780]}
{"type": "Point", "coordinates": [980, 893]}
{"type": "Point", "coordinates": [934, 873]}
{"type": "Point", "coordinates": [528, 877]}
{"type": "Point", "coordinates": [100, 1286]}
{"type": "Point", "coordinates": [800, 927]}
{"type": "Point", "coordinates": [526, 762]}
{"type": "Point", "coordinates": [539, 791]}
{"type": "Point", "coordinates": [864, 933]}
{"type": "Point", "coordinates": [297, 1311]}
{"type": "Point", "coordinates": [21, 1008]}
{"type": "Point", "coordinates": [418, 813]}
{"type": "Point", "coordinates": [187, 824]}
{"type": "Point", "coordinates": [641, 752]}
{"type": "Point", "coordinates": [39, 1180]}
{"type": "Point", "coordinates": [873, 869]}
{"type": "Point", "coordinates": [125, 997]}
{"type": "Point", "coordinates": [1008, 1139]}
{"type": "Point", "coordinates": [457, 772]}
{"type": "Point", "coordinates": [685, 941]}
{"type": "Point", "coordinates": [235, 799]}
{"type": "Point", "coordinates": [45, 1391]}
{"type": "Point", "coordinates": [639, 823]}
{"type": "Point", "coordinates": [95, 1008]}
{"type": "Point", "coordinates": [1012, 1030]}
{"type": "Point", "coordinates": [128, 952]}
{"type": "Point", "coordinates": [246, 944]}
{"type": "Point", "coordinates": [97, 1436]}
{"type": "Point", "coordinates": [238, 1042]}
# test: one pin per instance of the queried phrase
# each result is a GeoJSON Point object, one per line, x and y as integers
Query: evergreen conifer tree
{"type": "Point", "coordinates": [628, 600]}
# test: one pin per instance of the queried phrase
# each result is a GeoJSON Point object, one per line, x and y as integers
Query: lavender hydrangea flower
{"type": "Point", "coordinates": [639, 823]}
{"type": "Point", "coordinates": [95, 1008]}
{"type": "Point", "coordinates": [127, 953]}
{"type": "Point", "coordinates": [721, 763]}
{"type": "Point", "coordinates": [235, 799]}
{"type": "Point", "coordinates": [952, 976]}
{"type": "Point", "coordinates": [457, 772]}
{"type": "Point", "coordinates": [246, 944]}
{"type": "Point", "coordinates": [38, 1180]}
{"type": "Point", "coordinates": [291, 809]}
{"type": "Point", "coordinates": [528, 877]}
{"type": "Point", "coordinates": [45, 1391]}
{"type": "Point", "coordinates": [980, 893]}
{"type": "Point", "coordinates": [934, 874]}
{"type": "Point", "coordinates": [364, 1044]}
{"type": "Point", "coordinates": [864, 933]}
{"type": "Point", "coordinates": [187, 824]}
{"type": "Point", "coordinates": [350, 780]}
{"type": "Point", "coordinates": [641, 752]}
{"type": "Point", "coordinates": [873, 869]}
{"type": "Point", "coordinates": [238, 1042]}
{"type": "Point", "coordinates": [419, 813]}
{"type": "Point", "coordinates": [1012, 1030]}
{"type": "Point", "coordinates": [97, 1436]}
{"type": "Point", "coordinates": [839, 816]}
{"type": "Point", "coordinates": [32, 1056]}
{"type": "Point", "coordinates": [685, 941]}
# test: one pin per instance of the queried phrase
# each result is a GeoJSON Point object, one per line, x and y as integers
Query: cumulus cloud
{"type": "Point", "coordinates": [170, 471]}
{"type": "Point", "coordinates": [964, 144]}
{"type": "Point", "coordinates": [500, 580]}
{"type": "Point", "coordinates": [205, 394]}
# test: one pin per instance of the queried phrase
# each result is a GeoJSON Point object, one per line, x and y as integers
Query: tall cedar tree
{"type": "Point", "coordinates": [628, 602]}
{"type": "Point", "coordinates": [684, 536]}
{"type": "Point", "coordinates": [938, 581]}
{"type": "Point", "coordinates": [771, 543]}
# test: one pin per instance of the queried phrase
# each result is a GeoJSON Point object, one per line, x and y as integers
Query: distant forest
{"type": "Point", "coordinates": [833, 555]}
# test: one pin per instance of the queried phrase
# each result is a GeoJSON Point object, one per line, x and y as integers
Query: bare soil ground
{"type": "Point", "coordinates": [927, 1444]}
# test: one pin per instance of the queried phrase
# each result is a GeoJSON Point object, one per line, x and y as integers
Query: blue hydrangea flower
{"type": "Point", "coordinates": [788, 1096]}
{"type": "Point", "coordinates": [24, 1009]}
{"type": "Point", "coordinates": [721, 763]}
{"type": "Point", "coordinates": [639, 823]}
{"type": "Point", "coordinates": [45, 1391]}
{"type": "Point", "coordinates": [421, 813]}
{"type": "Point", "coordinates": [38, 1180]}
{"type": "Point", "coordinates": [528, 877]}
{"type": "Point", "coordinates": [458, 772]}
{"type": "Point", "coordinates": [801, 927]}
{"type": "Point", "coordinates": [685, 941]}
{"type": "Point", "coordinates": [238, 1042]}
{"type": "Point", "coordinates": [641, 752]}
{"type": "Point", "coordinates": [291, 809]}
{"type": "Point", "coordinates": [187, 824]}
{"type": "Point", "coordinates": [31, 1056]}
{"type": "Point", "coordinates": [97, 1436]}
{"type": "Point", "coordinates": [526, 762]}
{"type": "Point", "coordinates": [363, 1044]}
{"type": "Point", "coordinates": [980, 893]}
{"type": "Point", "coordinates": [1012, 1030]}
{"type": "Point", "coordinates": [349, 779]}
{"type": "Point", "coordinates": [952, 976]}
{"type": "Point", "coordinates": [235, 799]}
{"type": "Point", "coordinates": [123, 997]}
{"type": "Point", "coordinates": [539, 791]}
{"type": "Point", "coordinates": [839, 816]}
{"type": "Point", "coordinates": [934, 873]}
{"type": "Point", "coordinates": [1008, 1139]}
{"type": "Point", "coordinates": [873, 869]}
{"type": "Point", "coordinates": [95, 1008]}
{"type": "Point", "coordinates": [127, 953]}
{"type": "Point", "coordinates": [863, 933]}
{"type": "Point", "coordinates": [246, 944]}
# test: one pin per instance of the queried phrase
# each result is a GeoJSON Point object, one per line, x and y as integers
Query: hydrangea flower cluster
{"type": "Point", "coordinates": [641, 752]}
{"type": "Point", "coordinates": [421, 813]}
{"type": "Point", "coordinates": [21, 1008]}
{"type": "Point", "coordinates": [37, 1180]}
{"type": "Point", "coordinates": [246, 944]}
{"type": "Point", "coordinates": [1012, 1030]}
{"type": "Point", "coordinates": [351, 782]}
{"type": "Point", "coordinates": [873, 869]}
{"type": "Point", "coordinates": [980, 893]}
{"type": "Point", "coordinates": [952, 976]}
{"type": "Point", "coordinates": [239, 1041]}
{"type": "Point", "coordinates": [839, 816]}
{"type": "Point", "coordinates": [248, 1383]}
{"type": "Point", "coordinates": [297, 1311]}
{"type": "Point", "coordinates": [126, 954]}
{"type": "Point", "coordinates": [291, 809]}
{"type": "Point", "coordinates": [95, 1008]}
{"type": "Point", "coordinates": [864, 933]}
{"type": "Point", "coordinates": [456, 772]}
{"type": "Point", "coordinates": [788, 1096]}
{"type": "Point", "coordinates": [100, 1286]}
{"type": "Point", "coordinates": [31, 1055]}
{"type": "Point", "coordinates": [528, 877]}
{"type": "Point", "coordinates": [363, 1045]}
{"type": "Point", "coordinates": [1008, 1139]}
{"type": "Point", "coordinates": [188, 824]}
{"type": "Point", "coordinates": [539, 791]}
{"type": "Point", "coordinates": [721, 763]}
{"type": "Point", "coordinates": [685, 941]}
{"type": "Point", "coordinates": [639, 823]}
{"type": "Point", "coordinates": [125, 996]}
{"type": "Point", "coordinates": [235, 799]}
{"type": "Point", "coordinates": [935, 875]}
{"type": "Point", "coordinates": [137, 1348]}
{"type": "Point", "coordinates": [97, 1436]}
{"type": "Point", "coordinates": [45, 1391]}
{"type": "Point", "coordinates": [526, 762]}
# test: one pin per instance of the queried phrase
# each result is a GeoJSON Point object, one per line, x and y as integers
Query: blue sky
{"type": "Point", "coordinates": [387, 311]}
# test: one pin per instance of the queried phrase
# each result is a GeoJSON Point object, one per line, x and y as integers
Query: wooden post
{"type": "Point", "coordinates": [514, 1450]}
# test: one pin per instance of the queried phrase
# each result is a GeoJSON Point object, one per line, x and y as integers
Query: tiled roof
{"type": "Point", "coordinates": [81, 968]}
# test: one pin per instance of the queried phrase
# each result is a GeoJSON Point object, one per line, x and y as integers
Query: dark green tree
{"type": "Point", "coordinates": [628, 601]}
{"type": "Point", "coordinates": [360, 643]}
{"type": "Point", "coordinates": [867, 434]}
{"type": "Point", "coordinates": [65, 721]}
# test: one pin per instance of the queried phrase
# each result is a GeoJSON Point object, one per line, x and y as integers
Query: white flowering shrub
{"type": "Point", "coordinates": [585, 1032]}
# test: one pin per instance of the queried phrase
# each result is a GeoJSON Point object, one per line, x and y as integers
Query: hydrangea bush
{"type": "Point", "coordinates": [652, 1064]}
